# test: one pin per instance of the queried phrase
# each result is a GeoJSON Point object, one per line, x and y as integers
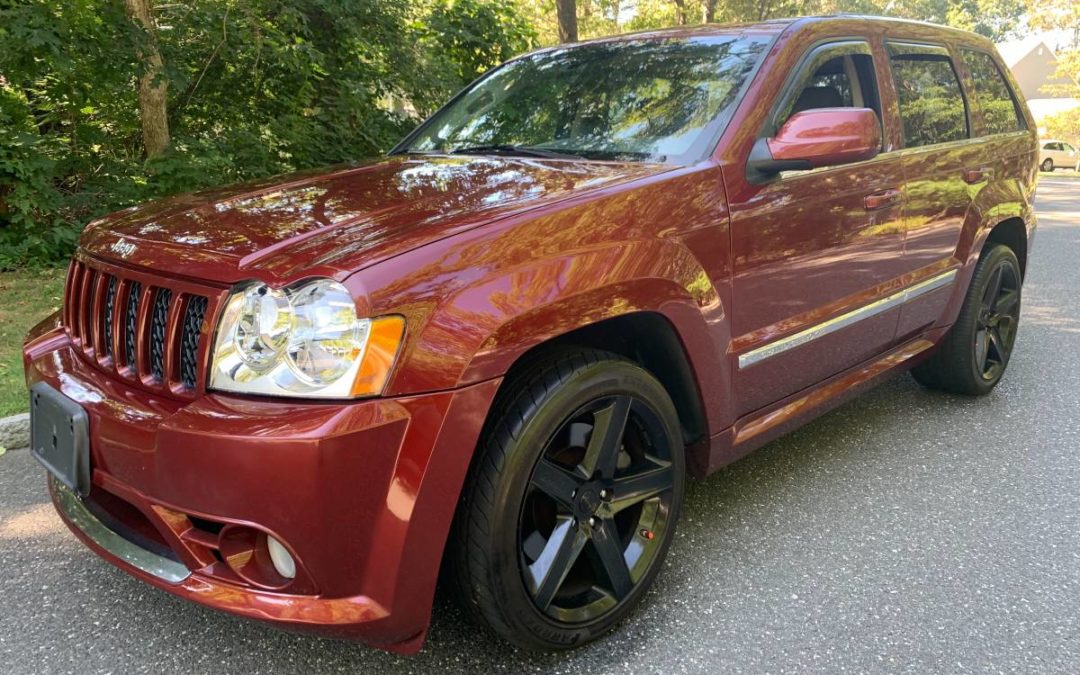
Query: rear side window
{"type": "Point", "coordinates": [998, 105]}
{"type": "Point", "coordinates": [932, 107]}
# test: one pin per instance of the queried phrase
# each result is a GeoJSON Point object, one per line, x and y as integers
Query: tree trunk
{"type": "Point", "coordinates": [153, 115]}
{"type": "Point", "coordinates": [710, 11]}
{"type": "Point", "coordinates": [680, 12]}
{"type": "Point", "coordinates": [567, 13]}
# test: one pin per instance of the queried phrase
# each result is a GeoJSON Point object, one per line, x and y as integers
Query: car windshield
{"type": "Point", "coordinates": [644, 100]}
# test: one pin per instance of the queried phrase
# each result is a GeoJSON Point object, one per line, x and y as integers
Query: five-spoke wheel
{"type": "Point", "coordinates": [597, 500]}
{"type": "Point", "coordinates": [999, 314]}
{"type": "Point", "coordinates": [573, 501]}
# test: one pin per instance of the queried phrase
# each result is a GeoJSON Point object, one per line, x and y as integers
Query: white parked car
{"type": "Point", "coordinates": [1058, 155]}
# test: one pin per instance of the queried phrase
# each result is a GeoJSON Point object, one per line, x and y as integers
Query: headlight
{"type": "Point", "coordinates": [303, 341]}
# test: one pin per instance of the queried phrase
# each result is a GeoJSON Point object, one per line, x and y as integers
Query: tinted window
{"type": "Point", "coordinates": [840, 82]}
{"type": "Point", "coordinates": [632, 99]}
{"type": "Point", "coordinates": [932, 106]}
{"type": "Point", "coordinates": [992, 92]}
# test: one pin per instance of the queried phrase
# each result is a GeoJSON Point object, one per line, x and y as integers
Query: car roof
{"type": "Point", "coordinates": [774, 26]}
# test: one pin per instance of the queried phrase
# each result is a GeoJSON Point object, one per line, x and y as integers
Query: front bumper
{"type": "Point", "coordinates": [361, 493]}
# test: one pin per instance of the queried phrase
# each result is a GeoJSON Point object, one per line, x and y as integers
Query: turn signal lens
{"type": "Point", "coordinates": [383, 343]}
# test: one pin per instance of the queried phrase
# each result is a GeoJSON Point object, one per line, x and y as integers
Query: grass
{"type": "Point", "coordinates": [29, 296]}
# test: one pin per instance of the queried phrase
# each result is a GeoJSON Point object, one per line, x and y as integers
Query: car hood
{"type": "Point", "coordinates": [336, 221]}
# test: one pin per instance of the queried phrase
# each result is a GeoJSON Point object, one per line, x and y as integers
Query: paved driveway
{"type": "Point", "coordinates": [908, 531]}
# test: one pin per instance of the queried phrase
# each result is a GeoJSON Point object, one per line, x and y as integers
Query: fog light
{"type": "Point", "coordinates": [283, 561]}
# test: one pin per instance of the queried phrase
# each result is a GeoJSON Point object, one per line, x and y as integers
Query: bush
{"type": "Point", "coordinates": [255, 88]}
{"type": "Point", "coordinates": [1064, 126]}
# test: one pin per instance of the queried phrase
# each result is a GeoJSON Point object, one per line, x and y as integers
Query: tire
{"type": "Point", "coordinates": [564, 524]}
{"type": "Point", "coordinates": [1047, 165]}
{"type": "Point", "coordinates": [975, 353]}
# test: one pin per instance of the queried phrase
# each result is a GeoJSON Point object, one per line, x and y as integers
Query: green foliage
{"type": "Point", "coordinates": [259, 87]}
{"type": "Point", "coordinates": [471, 35]}
{"type": "Point", "coordinates": [256, 87]}
{"type": "Point", "coordinates": [1064, 126]}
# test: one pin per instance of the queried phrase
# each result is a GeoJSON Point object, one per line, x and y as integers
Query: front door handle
{"type": "Point", "coordinates": [882, 200]}
{"type": "Point", "coordinates": [973, 176]}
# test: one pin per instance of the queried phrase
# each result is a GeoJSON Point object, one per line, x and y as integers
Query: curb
{"type": "Point", "coordinates": [15, 431]}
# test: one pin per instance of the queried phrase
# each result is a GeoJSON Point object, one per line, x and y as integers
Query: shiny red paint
{"type": "Point", "coordinates": [488, 258]}
{"type": "Point", "coordinates": [828, 136]}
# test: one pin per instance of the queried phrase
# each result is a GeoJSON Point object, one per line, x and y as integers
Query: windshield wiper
{"type": "Point", "coordinates": [509, 149]}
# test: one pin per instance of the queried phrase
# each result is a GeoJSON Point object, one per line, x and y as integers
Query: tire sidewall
{"type": "Point", "coordinates": [594, 381]}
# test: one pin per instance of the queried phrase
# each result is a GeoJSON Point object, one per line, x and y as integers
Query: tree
{"type": "Point", "coordinates": [710, 11]}
{"type": "Point", "coordinates": [567, 15]}
{"type": "Point", "coordinates": [472, 36]}
{"type": "Point", "coordinates": [680, 12]}
{"type": "Point", "coordinates": [1064, 125]}
{"type": "Point", "coordinates": [153, 86]}
{"type": "Point", "coordinates": [1061, 15]}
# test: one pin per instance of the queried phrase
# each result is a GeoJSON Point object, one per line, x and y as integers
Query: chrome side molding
{"type": "Point", "coordinates": [136, 556]}
{"type": "Point", "coordinates": [836, 323]}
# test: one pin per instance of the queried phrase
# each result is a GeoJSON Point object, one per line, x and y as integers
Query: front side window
{"type": "Point", "coordinates": [999, 109]}
{"type": "Point", "coordinates": [932, 108]}
{"type": "Point", "coordinates": [646, 100]}
{"type": "Point", "coordinates": [844, 81]}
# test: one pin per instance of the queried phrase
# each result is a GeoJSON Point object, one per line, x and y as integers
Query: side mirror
{"type": "Point", "coordinates": [816, 138]}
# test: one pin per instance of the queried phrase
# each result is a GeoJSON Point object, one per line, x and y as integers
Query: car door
{"type": "Point", "coordinates": [943, 168]}
{"type": "Point", "coordinates": [1067, 156]}
{"type": "Point", "coordinates": [1053, 151]}
{"type": "Point", "coordinates": [815, 252]}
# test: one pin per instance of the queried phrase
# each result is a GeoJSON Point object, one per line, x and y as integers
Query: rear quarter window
{"type": "Point", "coordinates": [1000, 112]}
{"type": "Point", "coordinates": [932, 107]}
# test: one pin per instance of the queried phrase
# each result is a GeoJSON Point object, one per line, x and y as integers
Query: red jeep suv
{"type": "Point", "coordinates": [500, 350]}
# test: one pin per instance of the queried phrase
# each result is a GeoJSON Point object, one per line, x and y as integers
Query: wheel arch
{"type": "Point", "coordinates": [1011, 232]}
{"type": "Point", "coordinates": [649, 339]}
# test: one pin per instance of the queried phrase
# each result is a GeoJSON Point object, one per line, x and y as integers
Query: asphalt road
{"type": "Point", "coordinates": [908, 531]}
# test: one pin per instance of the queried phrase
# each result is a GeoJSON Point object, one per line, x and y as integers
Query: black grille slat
{"type": "Point", "coordinates": [110, 305]}
{"type": "Point", "coordinates": [106, 317]}
{"type": "Point", "coordinates": [157, 333]}
{"type": "Point", "coordinates": [131, 322]}
{"type": "Point", "coordinates": [189, 341]}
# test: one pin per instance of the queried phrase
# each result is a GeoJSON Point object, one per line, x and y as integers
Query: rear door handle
{"type": "Point", "coordinates": [882, 200]}
{"type": "Point", "coordinates": [972, 176]}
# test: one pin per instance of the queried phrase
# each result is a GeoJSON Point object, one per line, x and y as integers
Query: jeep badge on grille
{"type": "Point", "coordinates": [122, 247]}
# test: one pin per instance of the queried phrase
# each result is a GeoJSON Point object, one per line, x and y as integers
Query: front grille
{"type": "Point", "coordinates": [189, 345]}
{"type": "Point", "coordinates": [131, 317]}
{"type": "Point", "coordinates": [157, 333]}
{"type": "Point", "coordinates": [146, 332]}
{"type": "Point", "coordinates": [110, 304]}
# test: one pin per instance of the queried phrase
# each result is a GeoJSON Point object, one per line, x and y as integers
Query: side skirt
{"type": "Point", "coordinates": [758, 428]}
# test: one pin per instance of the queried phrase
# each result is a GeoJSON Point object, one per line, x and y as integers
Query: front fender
{"type": "Point", "coordinates": [492, 321]}
{"type": "Point", "coordinates": [474, 302]}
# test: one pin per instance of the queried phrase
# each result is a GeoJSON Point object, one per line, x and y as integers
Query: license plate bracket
{"type": "Point", "coordinates": [60, 437]}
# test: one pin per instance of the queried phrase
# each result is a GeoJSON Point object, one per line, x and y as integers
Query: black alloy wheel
{"type": "Point", "coordinates": [572, 500]}
{"type": "Point", "coordinates": [999, 316]}
{"type": "Point", "coordinates": [596, 509]}
{"type": "Point", "coordinates": [974, 354]}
